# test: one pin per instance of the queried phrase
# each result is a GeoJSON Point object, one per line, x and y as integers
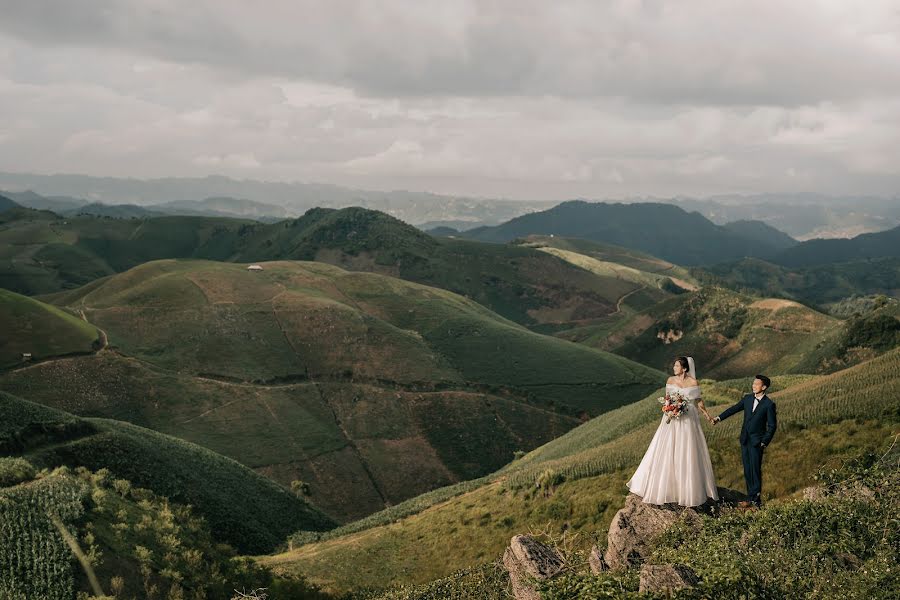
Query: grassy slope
{"type": "Point", "coordinates": [369, 388]}
{"type": "Point", "coordinates": [816, 285]}
{"type": "Point", "coordinates": [42, 253]}
{"type": "Point", "coordinates": [244, 509]}
{"type": "Point", "coordinates": [518, 283]}
{"type": "Point", "coordinates": [728, 334]}
{"type": "Point", "coordinates": [41, 256]}
{"type": "Point", "coordinates": [818, 421]}
{"type": "Point", "coordinates": [31, 326]}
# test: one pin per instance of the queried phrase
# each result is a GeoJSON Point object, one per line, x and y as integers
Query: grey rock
{"type": "Point", "coordinates": [528, 561]}
{"type": "Point", "coordinates": [813, 493]}
{"type": "Point", "coordinates": [666, 578]}
{"type": "Point", "coordinates": [637, 524]}
{"type": "Point", "coordinates": [597, 562]}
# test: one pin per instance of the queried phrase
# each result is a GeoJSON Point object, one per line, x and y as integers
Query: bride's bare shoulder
{"type": "Point", "coordinates": [690, 381]}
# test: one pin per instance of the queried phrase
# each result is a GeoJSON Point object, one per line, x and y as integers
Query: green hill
{"type": "Point", "coordinates": [575, 483]}
{"type": "Point", "coordinates": [7, 204]}
{"type": "Point", "coordinates": [728, 334]}
{"type": "Point", "coordinates": [867, 246]}
{"type": "Point", "coordinates": [42, 253]}
{"type": "Point", "coordinates": [44, 331]}
{"type": "Point", "coordinates": [522, 284]}
{"type": "Point", "coordinates": [663, 230]}
{"type": "Point", "coordinates": [368, 388]}
{"type": "Point", "coordinates": [815, 285]}
{"type": "Point", "coordinates": [242, 508]}
{"type": "Point", "coordinates": [763, 233]}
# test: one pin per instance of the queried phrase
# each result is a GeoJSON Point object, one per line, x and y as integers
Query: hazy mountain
{"type": "Point", "coordinates": [820, 252]}
{"type": "Point", "coordinates": [454, 225]}
{"type": "Point", "coordinates": [763, 233]}
{"type": "Point", "coordinates": [224, 207]}
{"type": "Point", "coordinates": [663, 230]}
{"type": "Point", "coordinates": [115, 211]}
{"type": "Point", "coordinates": [294, 198]}
{"type": "Point", "coordinates": [6, 204]}
{"type": "Point", "coordinates": [58, 204]}
{"type": "Point", "coordinates": [802, 215]}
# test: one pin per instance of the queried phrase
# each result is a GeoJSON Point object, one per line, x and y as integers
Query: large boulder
{"type": "Point", "coordinates": [637, 524]}
{"type": "Point", "coordinates": [529, 561]}
{"type": "Point", "coordinates": [660, 579]}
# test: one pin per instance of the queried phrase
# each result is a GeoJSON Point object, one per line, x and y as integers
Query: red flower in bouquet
{"type": "Point", "coordinates": [674, 405]}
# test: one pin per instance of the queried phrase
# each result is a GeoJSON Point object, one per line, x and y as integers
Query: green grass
{"type": "Point", "coordinates": [727, 333]}
{"type": "Point", "coordinates": [243, 508]}
{"type": "Point", "coordinates": [821, 418]}
{"type": "Point", "coordinates": [44, 331]}
{"type": "Point", "coordinates": [839, 545]}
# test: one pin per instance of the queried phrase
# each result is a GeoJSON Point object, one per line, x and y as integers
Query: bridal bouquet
{"type": "Point", "coordinates": [674, 405]}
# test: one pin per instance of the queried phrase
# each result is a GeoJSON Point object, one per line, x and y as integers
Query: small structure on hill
{"type": "Point", "coordinates": [255, 268]}
{"type": "Point", "coordinates": [26, 356]}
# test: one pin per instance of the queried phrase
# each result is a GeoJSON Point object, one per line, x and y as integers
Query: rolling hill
{"type": "Point", "coordinates": [762, 233]}
{"type": "Point", "coordinates": [815, 285]}
{"type": "Point", "coordinates": [243, 508]}
{"type": "Point", "coordinates": [728, 334]}
{"type": "Point", "coordinates": [663, 230]}
{"type": "Point", "coordinates": [39, 256]}
{"type": "Point", "coordinates": [42, 330]}
{"type": "Point", "coordinates": [576, 482]}
{"type": "Point", "coordinates": [368, 388]}
{"type": "Point", "coordinates": [867, 246]}
{"type": "Point", "coordinates": [7, 204]}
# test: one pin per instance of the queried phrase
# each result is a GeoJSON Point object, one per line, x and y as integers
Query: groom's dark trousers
{"type": "Point", "coordinates": [757, 432]}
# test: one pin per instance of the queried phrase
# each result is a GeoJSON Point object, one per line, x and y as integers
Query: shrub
{"type": "Point", "coordinates": [15, 470]}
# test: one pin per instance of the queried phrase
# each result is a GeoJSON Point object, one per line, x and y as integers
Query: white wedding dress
{"type": "Point", "coordinates": [676, 467]}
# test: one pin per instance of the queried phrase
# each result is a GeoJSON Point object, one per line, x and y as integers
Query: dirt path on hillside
{"type": "Point", "coordinates": [622, 299]}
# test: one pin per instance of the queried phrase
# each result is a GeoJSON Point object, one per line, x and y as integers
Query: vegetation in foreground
{"type": "Point", "coordinates": [244, 509]}
{"type": "Point", "coordinates": [130, 543]}
{"type": "Point", "coordinates": [844, 543]}
{"type": "Point", "coordinates": [576, 482]}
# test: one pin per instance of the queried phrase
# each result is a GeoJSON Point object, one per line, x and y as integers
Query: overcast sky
{"type": "Point", "coordinates": [519, 99]}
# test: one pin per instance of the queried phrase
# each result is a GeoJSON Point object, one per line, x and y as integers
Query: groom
{"type": "Point", "coordinates": [760, 423]}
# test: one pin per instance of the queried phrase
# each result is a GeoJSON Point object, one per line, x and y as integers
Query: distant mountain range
{"type": "Point", "coordinates": [663, 230]}
{"type": "Point", "coordinates": [292, 199]}
{"type": "Point", "coordinates": [801, 216]}
{"type": "Point", "coordinates": [821, 252]}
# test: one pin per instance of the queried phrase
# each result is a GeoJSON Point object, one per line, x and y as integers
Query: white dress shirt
{"type": "Point", "coordinates": [756, 400]}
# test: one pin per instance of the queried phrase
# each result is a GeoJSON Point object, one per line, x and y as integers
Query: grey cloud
{"type": "Point", "coordinates": [655, 52]}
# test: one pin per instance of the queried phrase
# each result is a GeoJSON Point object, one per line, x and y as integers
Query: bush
{"type": "Point", "coordinates": [15, 470]}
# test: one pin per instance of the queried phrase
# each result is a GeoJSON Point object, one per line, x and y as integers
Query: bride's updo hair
{"type": "Point", "coordinates": [684, 363]}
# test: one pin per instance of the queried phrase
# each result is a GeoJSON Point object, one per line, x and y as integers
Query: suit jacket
{"type": "Point", "coordinates": [759, 427]}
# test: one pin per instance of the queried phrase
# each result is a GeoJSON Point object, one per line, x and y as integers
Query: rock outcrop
{"type": "Point", "coordinates": [666, 578]}
{"type": "Point", "coordinates": [528, 561]}
{"type": "Point", "coordinates": [636, 525]}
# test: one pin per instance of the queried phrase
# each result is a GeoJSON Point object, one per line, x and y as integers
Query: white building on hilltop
{"type": "Point", "coordinates": [254, 268]}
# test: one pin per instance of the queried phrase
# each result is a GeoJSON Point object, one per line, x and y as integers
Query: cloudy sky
{"type": "Point", "coordinates": [520, 99]}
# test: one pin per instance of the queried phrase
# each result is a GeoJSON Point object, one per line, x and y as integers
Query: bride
{"type": "Point", "coordinates": [676, 466]}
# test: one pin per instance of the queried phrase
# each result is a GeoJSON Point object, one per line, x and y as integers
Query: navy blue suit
{"type": "Point", "coordinates": [757, 432]}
